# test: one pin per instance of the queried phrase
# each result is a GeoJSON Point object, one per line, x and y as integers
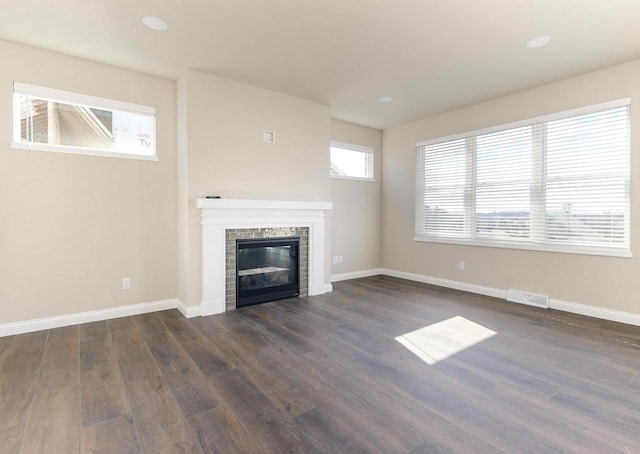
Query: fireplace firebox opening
{"type": "Point", "coordinates": [267, 269]}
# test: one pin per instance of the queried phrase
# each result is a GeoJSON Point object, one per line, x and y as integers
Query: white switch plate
{"type": "Point", "coordinates": [269, 136]}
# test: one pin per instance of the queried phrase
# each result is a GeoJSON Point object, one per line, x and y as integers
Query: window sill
{"type": "Point", "coordinates": [344, 177]}
{"type": "Point", "coordinates": [584, 250]}
{"type": "Point", "coordinates": [81, 151]}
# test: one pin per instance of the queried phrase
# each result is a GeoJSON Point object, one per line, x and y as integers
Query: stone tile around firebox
{"type": "Point", "coordinates": [232, 235]}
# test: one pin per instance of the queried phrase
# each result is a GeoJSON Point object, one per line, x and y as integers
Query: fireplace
{"type": "Point", "coordinates": [267, 269]}
{"type": "Point", "coordinates": [224, 221]}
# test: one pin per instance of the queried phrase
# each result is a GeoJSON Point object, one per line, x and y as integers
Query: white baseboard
{"type": "Point", "coordinates": [566, 306]}
{"type": "Point", "coordinates": [320, 289]}
{"type": "Point", "coordinates": [597, 312]}
{"type": "Point", "coordinates": [355, 275]}
{"type": "Point", "coordinates": [188, 311]}
{"type": "Point", "coordinates": [39, 324]}
{"type": "Point", "coordinates": [464, 286]}
{"type": "Point", "coordinates": [211, 307]}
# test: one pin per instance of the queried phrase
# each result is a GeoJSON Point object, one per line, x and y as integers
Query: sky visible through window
{"type": "Point", "coordinates": [346, 162]}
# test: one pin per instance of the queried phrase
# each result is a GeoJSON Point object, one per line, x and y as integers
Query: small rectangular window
{"type": "Point", "coordinates": [353, 162]}
{"type": "Point", "coordinates": [54, 120]}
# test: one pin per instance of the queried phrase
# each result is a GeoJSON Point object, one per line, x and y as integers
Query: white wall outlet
{"type": "Point", "coordinates": [126, 283]}
{"type": "Point", "coordinates": [341, 259]}
{"type": "Point", "coordinates": [336, 259]}
{"type": "Point", "coordinates": [461, 266]}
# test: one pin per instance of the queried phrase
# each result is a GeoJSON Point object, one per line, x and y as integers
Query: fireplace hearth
{"type": "Point", "coordinates": [267, 269]}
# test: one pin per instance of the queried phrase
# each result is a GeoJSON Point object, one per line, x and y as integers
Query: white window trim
{"type": "Point", "coordinates": [62, 96]}
{"type": "Point", "coordinates": [541, 119]}
{"type": "Point", "coordinates": [519, 243]}
{"type": "Point", "coordinates": [369, 163]}
{"type": "Point", "coordinates": [522, 245]}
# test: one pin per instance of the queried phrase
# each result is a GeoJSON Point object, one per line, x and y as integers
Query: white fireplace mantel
{"type": "Point", "coordinates": [218, 215]}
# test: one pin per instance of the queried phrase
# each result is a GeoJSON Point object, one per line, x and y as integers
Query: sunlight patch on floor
{"type": "Point", "coordinates": [441, 340]}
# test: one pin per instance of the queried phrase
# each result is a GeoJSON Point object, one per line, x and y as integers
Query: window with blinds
{"type": "Point", "coordinates": [557, 183]}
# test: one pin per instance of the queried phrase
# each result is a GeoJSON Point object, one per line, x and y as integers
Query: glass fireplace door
{"type": "Point", "coordinates": [267, 269]}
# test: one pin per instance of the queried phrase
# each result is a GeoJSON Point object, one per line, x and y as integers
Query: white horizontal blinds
{"type": "Point", "coordinates": [503, 184]}
{"type": "Point", "coordinates": [587, 199]}
{"type": "Point", "coordinates": [557, 183]}
{"type": "Point", "coordinates": [441, 205]}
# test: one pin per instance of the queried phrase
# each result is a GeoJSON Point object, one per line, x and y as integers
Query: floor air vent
{"type": "Point", "coordinates": [531, 299]}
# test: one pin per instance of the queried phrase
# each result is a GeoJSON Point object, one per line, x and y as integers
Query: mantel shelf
{"type": "Point", "coordinates": [262, 204]}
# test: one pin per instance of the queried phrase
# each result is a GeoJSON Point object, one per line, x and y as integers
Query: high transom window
{"type": "Point", "coordinates": [352, 162]}
{"type": "Point", "coordinates": [556, 183]}
{"type": "Point", "coordinates": [46, 119]}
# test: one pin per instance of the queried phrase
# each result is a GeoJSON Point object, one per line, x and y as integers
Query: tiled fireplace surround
{"type": "Point", "coordinates": [225, 220]}
{"type": "Point", "coordinates": [270, 232]}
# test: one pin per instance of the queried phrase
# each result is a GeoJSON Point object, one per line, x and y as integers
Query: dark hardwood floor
{"type": "Point", "coordinates": [324, 374]}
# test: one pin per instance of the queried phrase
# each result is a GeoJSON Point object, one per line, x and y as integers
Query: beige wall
{"type": "Point", "coordinates": [356, 228]}
{"type": "Point", "coordinates": [597, 281]}
{"type": "Point", "coordinates": [222, 124]}
{"type": "Point", "coordinates": [72, 226]}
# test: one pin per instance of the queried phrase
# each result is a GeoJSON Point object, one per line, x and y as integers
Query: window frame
{"type": "Point", "coordinates": [536, 242]}
{"type": "Point", "coordinates": [369, 160]}
{"type": "Point", "coordinates": [67, 97]}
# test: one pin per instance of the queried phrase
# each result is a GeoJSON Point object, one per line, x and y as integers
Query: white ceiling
{"type": "Point", "coordinates": [430, 55]}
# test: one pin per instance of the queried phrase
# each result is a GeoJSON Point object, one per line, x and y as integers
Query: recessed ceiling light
{"type": "Point", "coordinates": [154, 23]}
{"type": "Point", "coordinates": [538, 41]}
{"type": "Point", "coordinates": [386, 99]}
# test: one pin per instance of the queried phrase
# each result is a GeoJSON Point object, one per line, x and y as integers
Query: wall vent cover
{"type": "Point", "coordinates": [530, 299]}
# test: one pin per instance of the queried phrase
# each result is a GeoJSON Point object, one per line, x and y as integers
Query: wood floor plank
{"type": "Point", "coordinates": [273, 432]}
{"type": "Point", "coordinates": [117, 435]}
{"type": "Point", "coordinates": [289, 398]}
{"type": "Point", "coordinates": [54, 421]}
{"type": "Point", "coordinates": [160, 423]}
{"type": "Point", "coordinates": [276, 330]}
{"type": "Point", "coordinates": [626, 422]}
{"type": "Point", "coordinates": [61, 359]}
{"type": "Point", "coordinates": [11, 439]}
{"type": "Point", "coordinates": [336, 393]}
{"type": "Point", "coordinates": [202, 350]}
{"type": "Point", "coordinates": [220, 431]}
{"type": "Point", "coordinates": [451, 402]}
{"type": "Point", "coordinates": [546, 371]}
{"type": "Point", "coordinates": [566, 423]}
{"type": "Point", "coordinates": [92, 330]}
{"type": "Point", "coordinates": [189, 385]}
{"type": "Point", "coordinates": [132, 353]}
{"type": "Point", "coordinates": [19, 367]}
{"type": "Point", "coordinates": [329, 432]}
{"type": "Point", "coordinates": [249, 335]}
{"type": "Point", "coordinates": [103, 393]}
{"type": "Point", "coordinates": [54, 417]}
